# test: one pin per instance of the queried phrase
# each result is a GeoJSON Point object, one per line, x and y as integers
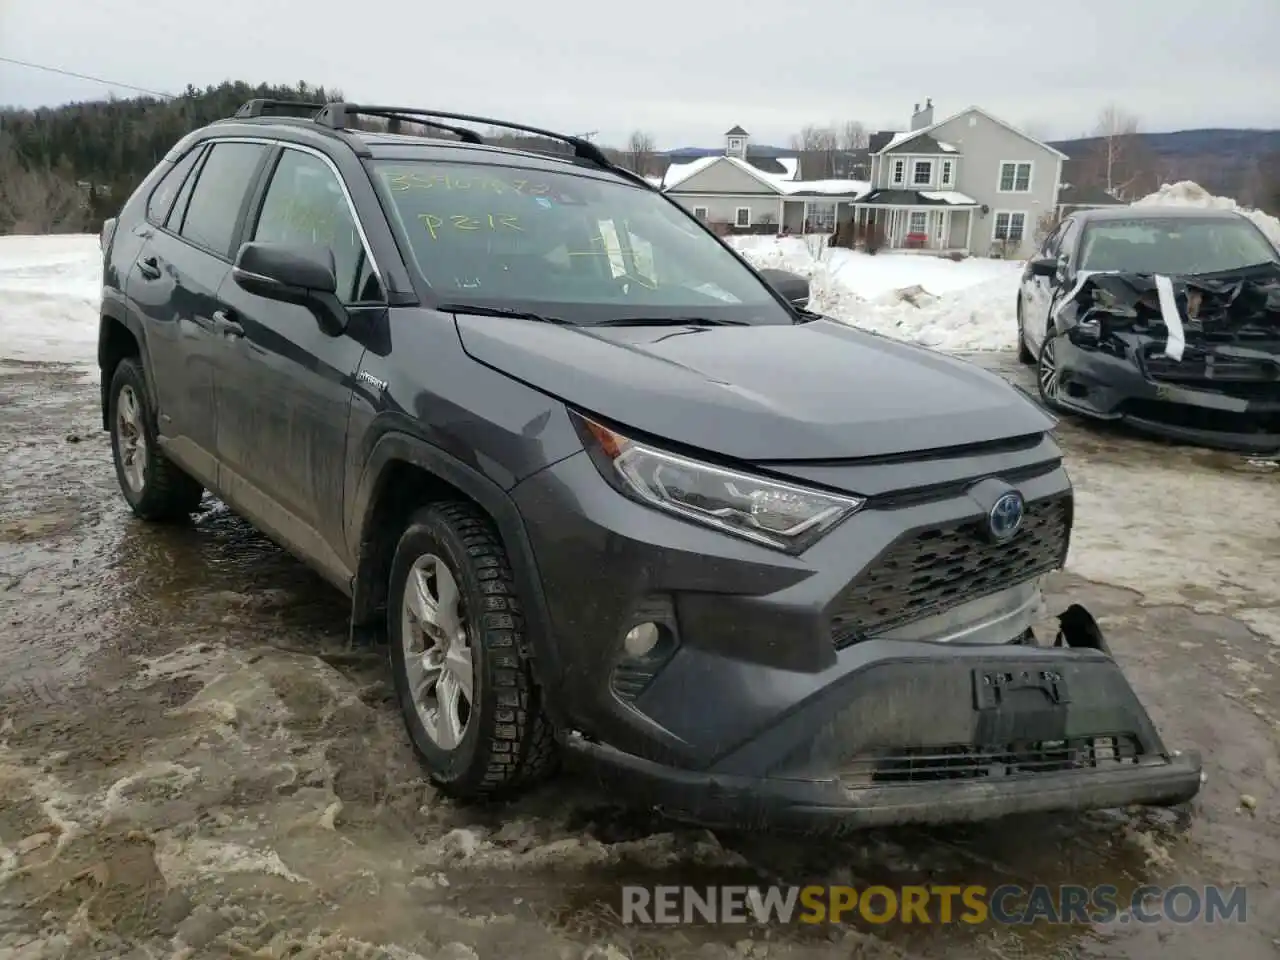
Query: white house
{"type": "Point", "coordinates": [731, 189]}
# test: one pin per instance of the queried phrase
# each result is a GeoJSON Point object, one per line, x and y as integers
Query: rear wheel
{"type": "Point", "coordinates": [153, 485]}
{"type": "Point", "coordinates": [467, 693]}
{"type": "Point", "coordinates": [1024, 352]}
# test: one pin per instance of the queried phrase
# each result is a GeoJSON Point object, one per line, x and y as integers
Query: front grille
{"type": "Point", "coordinates": [931, 570]}
{"type": "Point", "coordinates": [966, 762]}
{"type": "Point", "coordinates": [1199, 367]}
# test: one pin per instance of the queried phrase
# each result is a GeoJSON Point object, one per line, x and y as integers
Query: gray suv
{"type": "Point", "coordinates": [603, 490]}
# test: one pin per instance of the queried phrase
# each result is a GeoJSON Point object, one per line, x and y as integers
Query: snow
{"type": "Point", "coordinates": [953, 197]}
{"type": "Point", "coordinates": [1185, 193]}
{"type": "Point", "coordinates": [50, 289]}
{"type": "Point", "coordinates": [678, 173]}
{"type": "Point", "coordinates": [963, 306]}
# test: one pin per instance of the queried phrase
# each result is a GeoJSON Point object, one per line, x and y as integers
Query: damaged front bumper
{"type": "Point", "coordinates": [921, 732]}
{"type": "Point", "coordinates": [1199, 362]}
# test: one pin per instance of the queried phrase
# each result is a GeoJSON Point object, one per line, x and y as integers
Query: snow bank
{"type": "Point", "coordinates": [1185, 193]}
{"type": "Point", "coordinates": [948, 305]}
{"type": "Point", "coordinates": [50, 289]}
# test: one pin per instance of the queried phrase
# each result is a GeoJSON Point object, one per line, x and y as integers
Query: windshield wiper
{"type": "Point", "coordinates": [668, 322]}
{"type": "Point", "coordinates": [477, 310]}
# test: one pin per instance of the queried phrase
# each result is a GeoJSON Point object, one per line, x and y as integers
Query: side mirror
{"type": "Point", "coordinates": [306, 276]}
{"type": "Point", "coordinates": [794, 288]}
{"type": "Point", "coordinates": [1044, 267]}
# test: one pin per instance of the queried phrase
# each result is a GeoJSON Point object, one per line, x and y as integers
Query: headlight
{"type": "Point", "coordinates": [775, 514]}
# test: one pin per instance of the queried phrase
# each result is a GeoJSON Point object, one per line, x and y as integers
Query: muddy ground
{"type": "Point", "coordinates": [192, 764]}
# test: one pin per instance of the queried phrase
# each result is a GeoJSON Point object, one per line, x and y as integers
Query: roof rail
{"type": "Point", "coordinates": [264, 107]}
{"type": "Point", "coordinates": [339, 116]}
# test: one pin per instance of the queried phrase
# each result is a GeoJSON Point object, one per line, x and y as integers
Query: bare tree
{"type": "Point", "coordinates": [853, 136]}
{"type": "Point", "coordinates": [638, 155]}
{"type": "Point", "coordinates": [817, 146]}
{"type": "Point", "coordinates": [38, 200]}
{"type": "Point", "coordinates": [1120, 162]}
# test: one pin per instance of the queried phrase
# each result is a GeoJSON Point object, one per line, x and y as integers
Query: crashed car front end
{"type": "Point", "coordinates": [1189, 358]}
{"type": "Point", "coordinates": [889, 673]}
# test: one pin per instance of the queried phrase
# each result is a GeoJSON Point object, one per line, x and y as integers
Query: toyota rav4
{"type": "Point", "coordinates": [603, 490]}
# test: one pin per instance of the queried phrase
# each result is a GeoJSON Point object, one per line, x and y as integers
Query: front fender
{"type": "Point", "coordinates": [394, 447]}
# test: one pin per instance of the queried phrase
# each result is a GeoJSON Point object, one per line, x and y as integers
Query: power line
{"type": "Point", "coordinates": [85, 76]}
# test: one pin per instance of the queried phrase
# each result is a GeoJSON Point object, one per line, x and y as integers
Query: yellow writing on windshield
{"type": "Point", "coordinates": [491, 221]}
{"type": "Point", "coordinates": [414, 180]}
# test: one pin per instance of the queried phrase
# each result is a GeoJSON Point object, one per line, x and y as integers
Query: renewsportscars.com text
{"type": "Point", "coordinates": [934, 904]}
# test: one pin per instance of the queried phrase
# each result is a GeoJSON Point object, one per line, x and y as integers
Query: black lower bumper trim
{"type": "Point", "coordinates": [827, 807]}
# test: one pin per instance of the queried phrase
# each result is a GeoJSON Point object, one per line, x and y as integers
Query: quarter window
{"type": "Point", "coordinates": [219, 193]}
{"type": "Point", "coordinates": [305, 206]}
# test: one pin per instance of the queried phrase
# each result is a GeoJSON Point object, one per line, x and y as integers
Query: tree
{"type": "Point", "coordinates": [638, 155]}
{"type": "Point", "coordinates": [1120, 162]}
{"type": "Point", "coordinates": [853, 136]}
{"type": "Point", "coordinates": [40, 200]}
{"type": "Point", "coordinates": [817, 146]}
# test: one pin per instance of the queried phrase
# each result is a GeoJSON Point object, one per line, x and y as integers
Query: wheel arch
{"type": "Point", "coordinates": [403, 473]}
{"type": "Point", "coordinates": [120, 336]}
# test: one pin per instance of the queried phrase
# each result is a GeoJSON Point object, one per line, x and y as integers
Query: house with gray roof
{"type": "Point", "coordinates": [969, 183]}
{"type": "Point", "coordinates": [750, 193]}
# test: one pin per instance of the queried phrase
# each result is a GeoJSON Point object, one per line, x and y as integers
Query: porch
{"type": "Point", "coordinates": [801, 215]}
{"type": "Point", "coordinates": [918, 229]}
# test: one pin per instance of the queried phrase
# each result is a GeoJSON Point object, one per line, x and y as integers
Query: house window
{"type": "Point", "coordinates": [742, 217]}
{"type": "Point", "coordinates": [948, 173]}
{"type": "Point", "coordinates": [922, 173]}
{"type": "Point", "coordinates": [919, 222]}
{"type": "Point", "coordinates": [1010, 226]}
{"type": "Point", "coordinates": [700, 213]}
{"type": "Point", "coordinates": [899, 171]}
{"type": "Point", "coordinates": [1015, 177]}
{"type": "Point", "coordinates": [821, 217]}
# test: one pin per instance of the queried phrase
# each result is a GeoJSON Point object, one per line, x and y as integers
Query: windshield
{"type": "Point", "coordinates": [581, 248]}
{"type": "Point", "coordinates": [1174, 246]}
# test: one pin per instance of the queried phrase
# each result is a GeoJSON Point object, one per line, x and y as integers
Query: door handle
{"type": "Point", "coordinates": [149, 267]}
{"type": "Point", "coordinates": [223, 324]}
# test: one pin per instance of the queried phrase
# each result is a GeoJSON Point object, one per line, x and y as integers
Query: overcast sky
{"type": "Point", "coordinates": [685, 70]}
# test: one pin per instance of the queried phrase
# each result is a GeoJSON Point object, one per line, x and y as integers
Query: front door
{"type": "Point", "coordinates": [284, 400]}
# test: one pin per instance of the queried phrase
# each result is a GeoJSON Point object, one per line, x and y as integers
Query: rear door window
{"type": "Point", "coordinates": [219, 195]}
{"type": "Point", "coordinates": [170, 186]}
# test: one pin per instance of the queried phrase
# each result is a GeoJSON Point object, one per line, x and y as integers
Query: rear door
{"type": "Point", "coordinates": [175, 283]}
{"type": "Point", "coordinates": [284, 403]}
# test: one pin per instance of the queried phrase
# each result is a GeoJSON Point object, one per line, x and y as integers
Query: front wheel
{"type": "Point", "coordinates": [1048, 374]}
{"type": "Point", "coordinates": [466, 690]}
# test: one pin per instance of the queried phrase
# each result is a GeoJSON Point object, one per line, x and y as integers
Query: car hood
{"type": "Point", "coordinates": [813, 391]}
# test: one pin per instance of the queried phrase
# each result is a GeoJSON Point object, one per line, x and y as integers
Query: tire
{"type": "Point", "coordinates": [1045, 359]}
{"type": "Point", "coordinates": [1024, 354]}
{"type": "Point", "coordinates": [155, 488]}
{"type": "Point", "coordinates": [506, 744]}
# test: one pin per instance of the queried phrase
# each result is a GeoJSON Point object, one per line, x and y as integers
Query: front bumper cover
{"type": "Point", "coordinates": [1117, 385]}
{"type": "Point", "coordinates": [931, 733]}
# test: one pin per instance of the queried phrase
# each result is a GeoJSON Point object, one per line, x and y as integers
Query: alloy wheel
{"type": "Point", "coordinates": [1050, 379]}
{"type": "Point", "coordinates": [437, 651]}
{"type": "Point", "coordinates": [131, 438]}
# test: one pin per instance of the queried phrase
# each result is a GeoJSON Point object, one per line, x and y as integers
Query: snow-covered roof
{"type": "Point", "coordinates": [782, 183]}
{"type": "Point", "coordinates": [953, 197]}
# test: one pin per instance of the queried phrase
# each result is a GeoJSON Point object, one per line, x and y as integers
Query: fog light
{"type": "Point", "coordinates": [641, 639]}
